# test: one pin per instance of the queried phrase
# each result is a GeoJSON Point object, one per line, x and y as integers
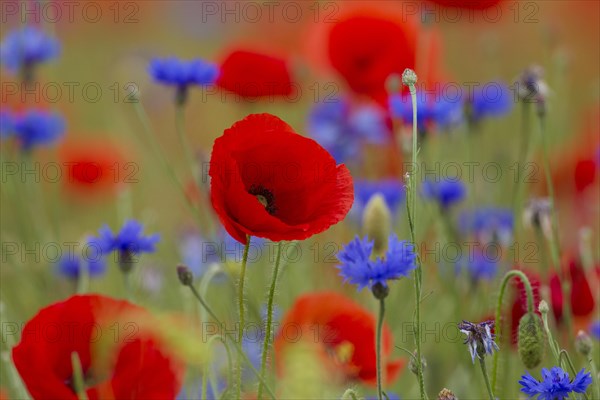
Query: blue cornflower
{"type": "Point", "coordinates": [489, 224]}
{"type": "Point", "coordinates": [392, 191]}
{"type": "Point", "coordinates": [444, 191]}
{"type": "Point", "coordinates": [595, 329]}
{"type": "Point", "coordinates": [22, 49]}
{"type": "Point", "coordinates": [431, 109]}
{"type": "Point", "coordinates": [128, 242]}
{"type": "Point", "coordinates": [494, 99]}
{"type": "Point", "coordinates": [479, 265]}
{"type": "Point", "coordinates": [555, 385]}
{"type": "Point", "coordinates": [7, 124]}
{"type": "Point", "coordinates": [358, 269]}
{"type": "Point", "coordinates": [480, 338]}
{"type": "Point", "coordinates": [71, 264]}
{"type": "Point", "coordinates": [37, 128]}
{"type": "Point", "coordinates": [343, 130]}
{"type": "Point", "coordinates": [182, 74]}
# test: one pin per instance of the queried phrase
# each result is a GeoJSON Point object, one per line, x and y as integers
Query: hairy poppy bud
{"type": "Point", "coordinates": [447, 394]}
{"type": "Point", "coordinates": [377, 222]}
{"type": "Point", "coordinates": [583, 343]}
{"type": "Point", "coordinates": [185, 275]}
{"type": "Point", "coordinates": [530, 340]}
{"type": "Point", "coordinates": [543, 307]}
{"type": "Point", "coordinates": [409, 77]}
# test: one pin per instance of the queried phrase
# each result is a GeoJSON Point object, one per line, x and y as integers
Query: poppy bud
{"type": "Point", "coordinates": [543, 307]}
{"type": "Point", "coordinates": [447, 394]}
{"type": "Point", "coordinates": [412, 365]}
{"type": "Point", "coordinates": [409, 77]}
{"type": "Point", "coordinates": [377, 223]}
{"type": "Point", "coordinates": [530, 340]}
{"type": "Point", "coordinates": [583, 343]}
{"type": "Point", "coordinates": [185, 275]}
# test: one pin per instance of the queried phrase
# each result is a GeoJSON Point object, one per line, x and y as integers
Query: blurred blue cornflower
{"type": "Point", "coordinates": [489, 224]}
{"type": "Point", "coordinates": [128, 242]}
{"type": "Point", "coordinates": [33, 128]}
{"type": "Point", "coordinates": [493, 99]}
{"type": "Point", "coordinates": [555, 385]}
{"type": "Point", "coordinates": [433, 109]}
{"type": "Point", "coordinates": [7, 124]}
{"type": "Point", "coordinates": [479, 265]}
{"type": "Point", "coordinates": [444, 191]}
{"type": "Point", "coordinates": [389, 396]}
{"type": "Point", "coordinates": [392, 191]}
{"type": "Point", "coordinates": [595, 329]}
{"type": "Point", "coordinates": [343, 130]}
{"type": "Point", "coordinates": [199, 253]}
{"type": "Point", "coordinates": [24, 48]}
{"type": "Point", "coordinates": [70, 265]}
{"type": "Point", "coordinates": [358, 268]}
{"type": "Point", "coordinates": [480, 338]}
{"type": "Point", "coordinates": [183, 73]}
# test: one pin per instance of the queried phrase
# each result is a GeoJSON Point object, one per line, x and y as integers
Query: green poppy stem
{"type": "Point", "coordinates": [268, 327]}
{"type": "Point", "coordinates": [241, 311]}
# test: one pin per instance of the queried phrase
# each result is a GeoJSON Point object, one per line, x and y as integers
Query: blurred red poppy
{"type": "Point", "coordinates": [253, 75]}
{"type": "Point", "coordinates": [268, 181]}
{"type": "Point", "coordinates": [468, 4]}
{"type": "Point", "coordinates": [137, 369]}
{"type": "Point", "coordinates": [582, 297]}
{"type": "Point", "coordinates": [94, 168]}
{"type": "Point", "coordinates": [345, 333]}
{"type": "Point", "coordinates": [519, 307]}
{"type": "Point", "coordinates": [366, 47]}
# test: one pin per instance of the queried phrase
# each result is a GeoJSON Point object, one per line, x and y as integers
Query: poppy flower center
{"type": "Point", "coordinates": [265, 197]}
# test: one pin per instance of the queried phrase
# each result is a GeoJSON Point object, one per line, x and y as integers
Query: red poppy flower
{"type": "Point", "coordinates": [519, 307]}
{"type": "Point", "coordinates": [468, 4]}
{"type": "Point", "coordinates": [366, 47]}
{"type": "Point", "coordinates": [582, 298]}
{"type": "Point", "coordinates": [268, 181]}
{"type": "Point", "coordinates": [138, 369]}
{"type": "Point", "coordinates": [94, 168]}
{"type": "Point", "coordinates": [345, 333]}
{"type": "Point", "coordinates": [253, 75]}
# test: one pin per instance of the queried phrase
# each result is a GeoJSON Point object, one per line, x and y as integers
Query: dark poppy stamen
{"type": "Point", "coordinates": [265, 197]}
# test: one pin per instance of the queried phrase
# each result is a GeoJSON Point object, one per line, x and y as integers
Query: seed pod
{"type": "Point", "coordinates": [531, 340]}
{"type": "Point", "coordinates": [583, 343]}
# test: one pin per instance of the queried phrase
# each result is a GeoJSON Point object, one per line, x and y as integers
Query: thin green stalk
{"type": "Point", "coordinates": [265, 349]}
{"type": "Point", "coordinates": [595, 375]}
{"type": "Point", "coordinates": [530, 309]}
{"type": "Point", "coordinates": [241, 311]}
{"type": "Point", "coordinates": [551, 342]}
{"type": "Point", "coordinates": [409, 78]}
{"type": "Point", "coordinates": [237, 344]}
{"type": "Point", "coordinates": [378, 347]}
{"type": "Point", "coordinates": [486, 378]}
{"type": "Point", "coordinates": [524, 149]}
{"type": "Point", "coordinates": [78, 380]}
{"type": "Point", "coordinates": [555, 241]}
